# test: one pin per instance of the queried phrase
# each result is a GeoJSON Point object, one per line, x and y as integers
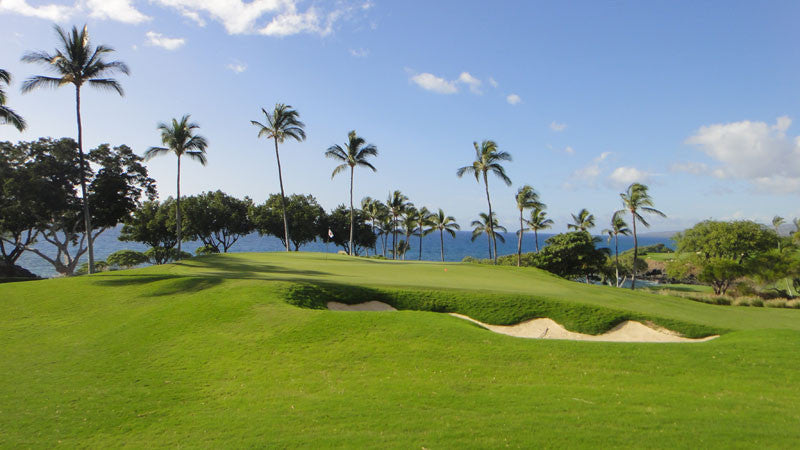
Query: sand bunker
{"type": "Point", "coordinates": [366, 306]}
{"type": "Point", "coordinates": [628, 331]}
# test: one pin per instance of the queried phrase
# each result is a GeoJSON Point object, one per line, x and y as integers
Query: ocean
{"type": "Point", "coordinates": [455, 249]}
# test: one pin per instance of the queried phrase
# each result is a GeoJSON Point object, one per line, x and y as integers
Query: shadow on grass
{"type": "Point", "coordinates": [177, 285]}
{"type": "Point", "coordinates": [227, 268]}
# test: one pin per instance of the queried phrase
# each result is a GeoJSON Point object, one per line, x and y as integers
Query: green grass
{"type": "Point", "coordinates": [664, 257]}
{"type": "Point", "coordinates": [215, 352]}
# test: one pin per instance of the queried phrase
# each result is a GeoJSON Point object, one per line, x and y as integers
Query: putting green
{"type": "Point", "coordinates": [234, 350]}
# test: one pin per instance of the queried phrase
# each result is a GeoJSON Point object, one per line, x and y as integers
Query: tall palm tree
{"type": "Point", "coordinates": [396, 205]}
{"type": "Point", "coordinates": [444, 223]}
{"type": "Point", "coordinates": [777, 221]}
{"type": "Point", "coordinates": [424, 217]}
{"type": "Point", "coordinates": [178, 138]}
{"type": "Point", "coordinates": [582, 222]}
{"type": "Point", "coordinates": [355, 152]}
{"type": "Point", "coordinates": [490, 227]}
{"type": "Point", "coordinates": [77, 62]}
{"type": "Point", "coordinates": [618, 227]}
{"type": "Point", "coordinates": [526, 198]}
{"type": "Point", "coordinates": [538, 221]}
{"type": "Point", "coordinates": [385, 223]}
{"type": "Point", "coordinates": [636, 200]}
{"type": "Point", "coordinates": [7, 115]}
{"type": "Point", "coordinates": [488, 159]}
{"type": "Point", "coordinates": [283, 122]}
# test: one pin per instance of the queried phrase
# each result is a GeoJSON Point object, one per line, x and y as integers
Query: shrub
{"type": "Point", "coordinates": [126, 259]}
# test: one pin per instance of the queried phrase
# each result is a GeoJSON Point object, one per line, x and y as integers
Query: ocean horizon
{"type": "Point", "coordinates": [455, 249]}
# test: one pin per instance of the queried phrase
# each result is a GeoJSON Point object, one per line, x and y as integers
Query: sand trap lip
{"type": "Point", "coordinates": [628, 331]}
{"type": "Point", "coordinates": [366, 306]}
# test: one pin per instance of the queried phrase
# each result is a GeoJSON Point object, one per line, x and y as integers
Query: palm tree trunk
{"type": "Point", "coordinates": [283, 197]}
{"type": "Point", "coordinates": [519, 240]}
{"type": "Point", "coordinates": [178, 211]}
{"type": "Point", "coordinates": [491, 217]}
{"type": "Point", "coordinates": [87, 218]}
{"type": "Point", "coordinates": [394, 236]}
{"type": "Point", "coordinates": [635, 251]}
{"type": "Point", "coordinates": [536, 236]}
{"type": "Point", "coordinates": [352, 169]}
{"type": "Point", "coordinates": [420, 243]}
{"type": "Point", "coordinates": [616, 257]}
{"type": "Point", "coordinates": [489, 238]}
{"type": "Point", "coordinates": [441, 238]}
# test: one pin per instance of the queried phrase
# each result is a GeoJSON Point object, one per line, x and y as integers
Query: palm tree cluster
{"type": "Point", "coordinates": [398, 216]}
{"type": "Point", "coordinates": [77, 62]}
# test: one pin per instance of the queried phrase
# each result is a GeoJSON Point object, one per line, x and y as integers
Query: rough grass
{"type": "Point", "coordinates": [209, 353]}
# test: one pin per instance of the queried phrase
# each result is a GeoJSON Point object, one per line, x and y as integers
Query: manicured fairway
{"type": "Point", "coordinates": [214, 352]}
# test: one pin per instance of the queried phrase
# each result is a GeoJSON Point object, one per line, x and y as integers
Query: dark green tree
{"type": "Point", "coordinates": [153, 224]}
{"type": "Point", "coordinates": [338, 221]}
{"type": "Point", "coordinates": [572, 255]}
{"type": "Point", "coordinates": [302, 211]}
{"type": "Point", "coordinates": [217, 219]}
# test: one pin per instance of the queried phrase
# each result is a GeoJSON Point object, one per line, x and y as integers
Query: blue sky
{"type": "Point", "coordinates": [697, 99]}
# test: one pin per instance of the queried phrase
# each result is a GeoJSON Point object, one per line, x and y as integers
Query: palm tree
{"type": "Point", "coordinates": [487, 159]}
{"type": "Point", "coordinates": [354, 153]}
{"type": "Point", "coordinates": [396, 205]}
{"type": "Point", "coordinates": [374, 211]}
{"type": "Point", "coordinates": [409, 223]}
{"type": "Point", "coordinates": [282, 123]}
{"type": "Point", "coordinates": [490, 227]}
{"type": "Point", "coordinates": [402, 248]}
{"type": "Point", "coordinates": [777, 221]}
{"type": "Point", "coordinates": [76, 62]}
{"type": "Point", "coordinates": [441, 222]}
{"type": "Point", "coordinates": [538, 221]}
{"type": "Point", "coordinates": [636, 200]}
{"type": "Point", "coordinates": [526, 198]}
{"type": "Point", "coordinates": [385, 225]}
{"type": "Point", "coordinates": [7, 115]}
{"type": "Point", "coordinates": [424, 218]}
{"type": "Point", "coordinates": [618, 226]}
{"type": "Point", "coordinates": [179, 139]}
{"type": "Point", "coordinates": [583, 221]}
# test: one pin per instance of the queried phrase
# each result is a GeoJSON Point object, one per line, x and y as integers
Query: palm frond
{"type": "Point", "coordinates": [7, 115]}
{"type": "Point", "coordinates": [336, 152]}
{"type": "Point", "coordinates": [109, 84]}
{"type": "Point", "coordinates": [340, 168]}
{"type": "Point", "coordinates": [40, 81]}
{"type": "Point", "coordinates": [196, 155]}
{"type": "Point", "coordinates": [152, 152]}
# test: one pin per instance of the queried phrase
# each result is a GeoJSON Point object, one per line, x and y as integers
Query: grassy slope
{"type": "Point", "coordinates": [209, 353]}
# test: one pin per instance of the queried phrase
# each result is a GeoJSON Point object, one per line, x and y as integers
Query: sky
{"type": "Point", "coordinates": [698, 99]}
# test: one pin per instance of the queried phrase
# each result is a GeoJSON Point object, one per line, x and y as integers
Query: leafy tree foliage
{"type": "Point", "coordinates": [126, 259]}
{"type": "Point", "coordinates": [720, 252]}
{"type": "Point", "coordinates": [572, 255]}
{"type": "Point", "coordinates": [153, 224]}
{"type": "Point", "coordinates": [302, 211]}
{"type": "Point", "coordinates": [217, 219]}
{"type": "Point", "coordinates": [46, 180]}
{"type": "Point", "coordinates": [338, 221]}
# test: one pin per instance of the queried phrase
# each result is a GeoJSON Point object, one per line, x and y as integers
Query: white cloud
{"type": "Point", "coordinates": [513, 99]}
{"type": "Point", "coordinates": [473, 83]}
{"type": "Point", "coordinates": [492, 82]}
{"type": "Point", "coordinates": [557, 127]}
{"type": "Point", "coordinates": [431, 82]}
{"type": "Point", "coordinates": [237, 67]}
{"type": "Point", "coordinates": [52, 12]}
{"type": "Point", "coordinates": [159, 40]}
{"type": "Point", "coordinates": [754, 151]}
{"type": "Point", "coordinates": [624, 176]}
{"type": "Point", "coordinates": [588, 175]}
{"type": "Point", "coordinates": [359, 53]}
{"type": "Point", "coordinates": [119, 10]}
{"type": "Point", "coordinates": [569, 150]}
{"type": "Point", "coordinates": [694, 168]}
{"type": "Point", "coordinates": [266, 17]}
